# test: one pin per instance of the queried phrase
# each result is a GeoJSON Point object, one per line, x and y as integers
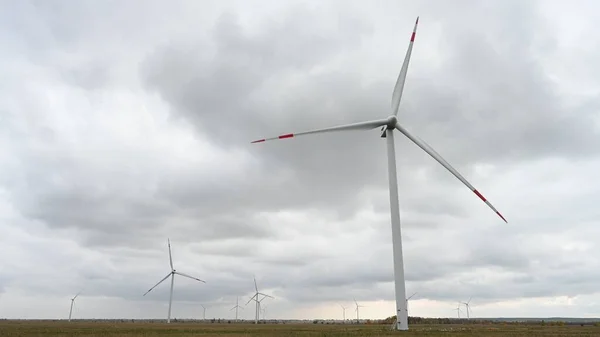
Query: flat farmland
{"type": "Point", "coordinates": [110, 329]}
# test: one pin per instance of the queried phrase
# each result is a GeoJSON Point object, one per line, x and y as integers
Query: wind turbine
{"type": "Point", "coordinates": [264, 312]}
{"type": "Point", "coordinates": [411, 296]}
{"type": "Point", "coordinates": [468, 308]}
{"type": "Point", "coordinates": [344, 312]}
{"type": "Point", "coordinates": [388, 126]}
{"type": "Point", "coordinates": [458, 310]}
{"type": "Point", "coordinates": [236, 307]}
{"type": "Point", "coordinates": [256, 299]}
{"type": "Point", "coordinates": [73, 301]}
{"type": "Point", "coordinates": [357, 306]}
{"type": "Point", "coordinates": [203, 312]}
{"type": "Point", "coordinates": [172, 275]}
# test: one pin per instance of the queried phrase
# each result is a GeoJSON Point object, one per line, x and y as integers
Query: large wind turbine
{"type": "Point", "coordinates": [256, 299]}
{"type": "Point", "coordinates": [73, 301]}
{"type": "Point", "coordinates": [237, 306]}
{"type": "Point", "coordinates": [388, 126]}
{"type": "Point", "coordinates": [172, 275]}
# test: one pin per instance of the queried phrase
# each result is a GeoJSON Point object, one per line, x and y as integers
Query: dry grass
{"type": "Point", "coordinates": [105, 329]}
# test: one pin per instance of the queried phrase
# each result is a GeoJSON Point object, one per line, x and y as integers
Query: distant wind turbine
{"type": "Point", "coordinates": [357, 306]}
{"type": "Point", "coordinates": [468, 307]}
{"type": "Point", "coordinates": [72, 302]}
{"type": "Point", "coordinates": [203, 312]}
{"type": "Point", "coordinates": [388, 126]}
{"type": "Point", "coordinates": [236, 307]}
{"type": "Point", "coordinates": [172, 275]}
{"type": "Point", "coordinates": [344, 311]}
{"type": "Point", "coordinates": [458, 310]}
{"type": "Point", "coordinates": [411, 296]}
{"type": "Point", "coordinates": [256, 298]}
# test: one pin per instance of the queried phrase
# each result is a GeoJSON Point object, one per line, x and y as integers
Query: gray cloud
{"type": "Point", "coordinates": [130, 129]}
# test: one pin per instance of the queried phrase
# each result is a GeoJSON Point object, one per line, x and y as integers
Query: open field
{"type": "Point", "coordinates": [106, 329]}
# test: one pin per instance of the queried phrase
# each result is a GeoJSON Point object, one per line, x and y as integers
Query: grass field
{"type": "Point", "coordinates": [50, 328]}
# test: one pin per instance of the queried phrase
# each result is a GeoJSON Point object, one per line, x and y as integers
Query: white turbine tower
{"type": "Point", "coordinates": [468, 307]}
{"type": "Point", "coordinates": [357, 306]}
{"type": "Point", "coordinates": [236, 307]}
{"type": "Point", "coordinates": [388, 126]}
{"type": "Point", "coordinates": [203, 312]}
{"type": "Point", "coordinates": [344, 312]}
{"type": "Point", "coordinates": [256, 299]}
{"type": "Point", "coordinates": [172, 275]}
{"type": "Point", "coordinates": [72, 302]}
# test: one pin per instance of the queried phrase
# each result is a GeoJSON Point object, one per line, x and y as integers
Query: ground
{"type": "Point", "coordinates": [111, 329]}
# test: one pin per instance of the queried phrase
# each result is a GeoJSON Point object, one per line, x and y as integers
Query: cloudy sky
{"type": "Point", "coordinates": [124, 123]}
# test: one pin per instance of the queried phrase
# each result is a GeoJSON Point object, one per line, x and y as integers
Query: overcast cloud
{"type": "Point", "coordinates": [123, 124]}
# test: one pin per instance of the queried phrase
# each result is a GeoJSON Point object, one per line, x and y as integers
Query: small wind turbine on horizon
{"type": "Point", "coordinates": [236, 307]}
{"type": "Point", "coordinates": [411, 296]}
{"type": "Point", "coordinates": [344, 312]}
{"type": "Point", "coordinates": [256, 299]}
{"type": "Point", "coordinates": [203, 312]}
{"type": "Point", "coordinates": [264, 312]}
{"type": "Point", "coordinates": [458, 310]}
{"type": "Point", "coordinates": [357, 306]}
{"type": "Point", "coordinates": [72, 302]}
{"type": "Point", "coordinates": [388, 126]}
{"type": "Point", "coordinates": [172, 275]}
{"type": "Point", "coordinates": [468, 307]}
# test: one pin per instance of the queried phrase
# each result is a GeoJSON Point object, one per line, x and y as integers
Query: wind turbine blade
{"type": "Point", "coordinates": [170, 257]}
{"type": "Point", "coordinates": [266, 295]}
{"type": "Point", "coordinates": [251, 298]}
{"type": "Point", "coordinates": [469, 301]}
{"type": "Point", "coordinates": [188, 276]}
{"type": "Point", "coordinates": [397, 95]}
{"type": "Point", "coordinates": [355, 126]}
{"type": "Point", "coordinates": [76, 295]}
{"type": "Point", "coordinates": [420, 143]}
{"type": "Point", "coordinates": [255, 286]}
{"type": "Point", "coordinates": [411, 296]}
{"type": "Point", "coordinates": [159, 282]}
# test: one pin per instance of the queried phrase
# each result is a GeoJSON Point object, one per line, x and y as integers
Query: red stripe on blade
{"type": "Point", "coordinates": [479, 195]}
{"type": "Point", "coordinates": [500, 215]}
{"type": "Point", "coordinates": [412, 38]}
{"type": "Point", "coordinates": [289, 135]}
{"type": "Point", "coordinates": [259, 141]}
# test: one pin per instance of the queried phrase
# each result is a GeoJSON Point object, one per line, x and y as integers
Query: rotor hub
{"type": "Point", "coordinates": [391, 122]}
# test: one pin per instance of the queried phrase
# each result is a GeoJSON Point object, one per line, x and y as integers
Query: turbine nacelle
{"type": "Point", "coordinates": [391, 122]}
{"type": "Point", "coordinates": [390, 125]}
